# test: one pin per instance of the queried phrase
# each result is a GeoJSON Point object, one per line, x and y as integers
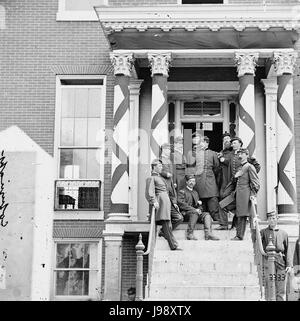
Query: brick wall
{"type": "Point", "coordinates": [36, 46]}
{"type": "Point", "coordinates": [129, 262]}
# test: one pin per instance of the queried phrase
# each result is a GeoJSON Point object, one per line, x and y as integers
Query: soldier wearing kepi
{"type": "Point", "coordinates": [283, 262]}
{"type": "Point", "coordinates": [190, 205]}
{"type": "Point", "coordinates": [206, 162]}
{"type": "Point", "coordinates": [247, 187]}
{"type": "Point", "coordinates": [157, 195]}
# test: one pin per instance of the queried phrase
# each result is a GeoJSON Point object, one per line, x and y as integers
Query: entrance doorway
{"type": "Point", "coordinates": [213, 130]}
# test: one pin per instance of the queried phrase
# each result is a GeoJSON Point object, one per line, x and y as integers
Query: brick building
{"type": "Point", "coordinates": [99, 85]}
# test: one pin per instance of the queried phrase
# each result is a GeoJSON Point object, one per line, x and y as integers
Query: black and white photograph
{"type": "Point", "coordinates": [150, 153]}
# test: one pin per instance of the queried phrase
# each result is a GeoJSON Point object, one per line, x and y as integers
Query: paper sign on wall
{"type": "Point", "coordinates": [208, 126]}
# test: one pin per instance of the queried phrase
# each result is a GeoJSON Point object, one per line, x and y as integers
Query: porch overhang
{"type": "Point", "coordinates": [200, 26]}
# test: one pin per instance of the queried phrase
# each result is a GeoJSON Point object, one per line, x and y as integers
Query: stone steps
{"type": "Point", "coordinates": [204, 270]}
{"type": "Point", "coordinates": [205, 292]}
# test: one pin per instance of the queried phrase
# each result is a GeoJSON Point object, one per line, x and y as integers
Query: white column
{"type": "Point", "coordinates": [284, 64]}
{"type": "Point", "coordinates": [123, 64]}
{"type": "Point", "coordinates": [177, 128]}
{"type": "Point", "coordinates": [271, 86]}
{"type": "Point", "coordinates": [159, 109]}
{"type": "Point", "coordinates": [246, 64]}
{"type": "Point", "coordinates": [134, 135]}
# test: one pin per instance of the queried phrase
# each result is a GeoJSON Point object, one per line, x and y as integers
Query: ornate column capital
{"type": "Point", "coordinates": [159, 63]}
{"type": "Point", "coordinates": [246, 63]}
{"type": "Point", "coordinates": [122, 63]}
{"type": "Point", "coordinates": [284, 62]}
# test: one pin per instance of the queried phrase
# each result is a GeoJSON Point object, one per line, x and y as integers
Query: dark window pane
{"type": "Point", "coordinates": [61, 283]}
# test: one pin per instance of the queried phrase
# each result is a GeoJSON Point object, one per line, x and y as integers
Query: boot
{"type": "Point", "coordinates": [193, 218]}
{"type": "Point", "coordinates": [207, 229]}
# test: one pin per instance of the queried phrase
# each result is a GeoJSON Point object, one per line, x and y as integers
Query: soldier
{"type": "Point", "coordinates": [167, 174]}
{"type": "Point", "coordinates": [157, 195]}
{"type": "Point", "coordinates": [247, 187]}
{"type": "Point", "coordinates": [282, 260]}
{"type": "Point", "coordinates": [206, 162]}
{"type": "Point", "coordinates": [190, 205]}
{"type": "Point", "coordinates": [224, 157]}
{"type": "Point", "coordinates": [232, 162]}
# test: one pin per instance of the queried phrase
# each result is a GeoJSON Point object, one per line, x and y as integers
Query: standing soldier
{"type": "Point", "coordinates": [283, 264]}
{"type": "Point", "coordinates": [206, 162]}
{"type": "Point", "coordinates": [167, 174]}
{"type": "Point", "coordinates": [224, 157]}
{"type": "Point", "coordinates": [233, 162]}
{"type": "Point", "coordinates": [247, 187]}
{"type": "Point", "coordinates": [190, 204]}
{"type": "Point", "coordinates": [157, 195]}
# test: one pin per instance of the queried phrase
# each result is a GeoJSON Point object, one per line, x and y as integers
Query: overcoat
{"type": "Point", "coordinates": [247, 185]}
{"type": "Point", "coordinates": [205, 164]}
{"type": "Point", "coordinates": [157, 190]}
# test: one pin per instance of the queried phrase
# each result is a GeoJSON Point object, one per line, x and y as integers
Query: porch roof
{"type": "Point", "coordinates": [200, 26]}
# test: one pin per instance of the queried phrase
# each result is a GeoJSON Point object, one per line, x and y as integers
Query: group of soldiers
{"type": "Point", "coordinates": [202, 187]}
{"type": "Point", "coordinates": [205, 186]}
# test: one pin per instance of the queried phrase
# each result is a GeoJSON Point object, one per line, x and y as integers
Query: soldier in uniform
{"type": "Point", "coordinates": [205, 165]}
{"type": "Point", "coordinates": [232, 163]}
{"type": "Point", "coordinates": [190, 204]}
{"type": "Point", "coordinates": [157, 195]}
{"type": "Point", "coordinates": [167, 174]}
{"type": "Point", "coordinates": [247, 187]}
{"type": "Point", "coordinates": [283, 264]}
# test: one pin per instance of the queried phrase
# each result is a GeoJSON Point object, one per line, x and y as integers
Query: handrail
{"type": "Point", "coordinates": [140, 253]}
{"type": "Point", "coordinates": [152, 228]}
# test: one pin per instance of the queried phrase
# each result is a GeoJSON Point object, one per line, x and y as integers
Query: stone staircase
{"type": "Point", "coordinates": [204, 270]}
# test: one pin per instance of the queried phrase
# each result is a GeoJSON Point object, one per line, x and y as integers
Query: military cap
{"type": "Point", "coordinates": [156, 161]}
{"type": "Point", "coordinates": [226, 134]}
{"type": "Point", "coordinates": [273, 213]}
{"type": "Point", "coordinates": [237, 138]}
{"type": "Point", "coordinates": [243, 150]}
{"type": "Point", "coordinates": [188, 177]}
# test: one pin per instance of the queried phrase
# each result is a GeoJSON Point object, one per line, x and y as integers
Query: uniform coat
{"type": "Point", "coordinates": [205, 164]}
{"type": "Point", "coordinates": [247, 185]}
{"type": "Point", "coordinates": [188, 201]}
{"type": "Point", "coordinates": [157, 190]}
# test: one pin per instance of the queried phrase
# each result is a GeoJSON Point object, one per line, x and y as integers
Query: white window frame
{"type": "Point", "coordinates": [84, 214]}
{"type": "Point", "coordinates": [75, 15]}
{"type": "Point", "coordinates": [99, 243]}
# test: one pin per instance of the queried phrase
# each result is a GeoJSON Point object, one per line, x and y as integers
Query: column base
{"type": "Point", "coordinates": [292, 218]}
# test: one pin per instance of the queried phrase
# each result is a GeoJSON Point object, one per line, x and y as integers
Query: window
{"type": "Point", "coordinates": [80, 141]}
{"type": "Point", "coordinates": [202, 108]}
{"type": "Point", "coordinates": [76, 272]}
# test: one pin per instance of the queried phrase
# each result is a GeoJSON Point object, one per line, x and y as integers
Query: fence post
{"type": "Point", "coordinates": [270, 249]}
{"type": "Point", "coordinates": [139, 269]}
